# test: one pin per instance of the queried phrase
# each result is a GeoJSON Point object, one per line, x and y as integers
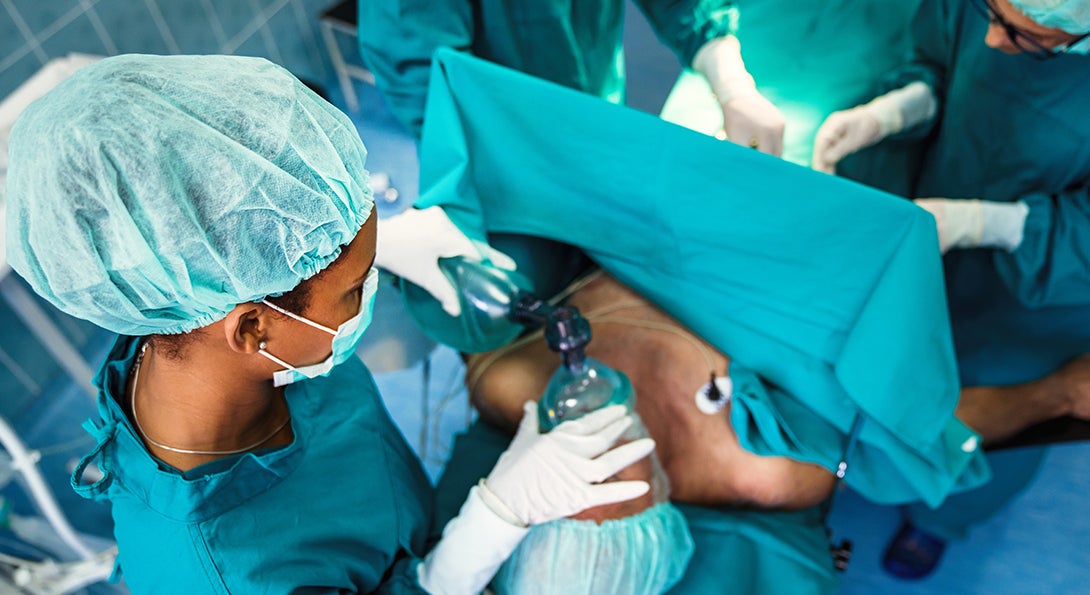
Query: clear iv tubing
{"type": "Point", "coordinates": [594, 316]}
{"type": "Point", "coordinates": [23, 461]}
{"type": "Point", "coordinates": [600, 315]}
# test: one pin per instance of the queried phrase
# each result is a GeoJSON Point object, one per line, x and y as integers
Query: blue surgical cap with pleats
{"type": "Point", "coordinates": [152, 194]}
{"type": "Point", "coordinates": [1073, 16]}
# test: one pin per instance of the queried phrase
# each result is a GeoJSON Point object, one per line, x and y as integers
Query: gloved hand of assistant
{"type": "Point", "coordinates": [411, 243]}
{"type": "Point", "coordinates": [971, 223]}
{"type": "Point", "coordinates": [543, 477]}
{"type": "Point", "coordinates": [748, 118]}
{"type": "Point", "coordinates": [843, 133]}
{"type": "Point", "coordinates": [847, 131]}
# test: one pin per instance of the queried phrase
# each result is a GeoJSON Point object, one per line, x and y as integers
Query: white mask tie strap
{"type": "Point", "coordinates": [299, 318]}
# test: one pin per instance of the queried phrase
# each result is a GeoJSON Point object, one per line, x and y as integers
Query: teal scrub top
{"type": "Point", "coordinates": [829, 293]}
{"type": "Point", "coordinates": [345, 508]}
{"type": "Point", "coordinates": [1008, 128]}
{"type": "Point", "coordinates": [577, 44]}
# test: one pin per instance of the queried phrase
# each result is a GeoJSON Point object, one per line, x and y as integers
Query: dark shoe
{"type": "Point", "coordinates": [912, 553]}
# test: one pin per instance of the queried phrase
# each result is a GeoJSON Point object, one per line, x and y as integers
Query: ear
{"type": "Point", "coordinates": [244, 327]}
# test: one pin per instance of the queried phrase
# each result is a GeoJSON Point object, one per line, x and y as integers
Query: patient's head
{"type": "Point", "coordinates": [646, 553]}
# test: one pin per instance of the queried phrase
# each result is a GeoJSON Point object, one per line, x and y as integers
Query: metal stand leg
{"type": "Point", "coordinates": [339, 65]}
{"type": "Point", "coordinates": [19, 373]}
{"type": "Point", "coordinates": [425, 413]}
{"type": "Point", "coordinates": [51, 337]}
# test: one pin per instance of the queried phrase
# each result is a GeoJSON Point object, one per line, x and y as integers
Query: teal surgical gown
{"type": "Point", "coordinates": [827, 295]}
{"type": "Point", "coordinates": [344, 508]}
{"type": "Point", "coordinates": [1008, 128]}
{"type": "Point", "coordinates": [573, 43]}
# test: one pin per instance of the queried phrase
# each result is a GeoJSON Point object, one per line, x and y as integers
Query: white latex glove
{"type": "Point", "coordinates": [543, 477]}
{"type": "Point", "coordinates": [473, 547]}
{"type": "Point", "coordinates": [748, 118]}
{"type": "Point", "coordinates": [971, 223]}
{"type": "Point", "coordinates": [411, 243]}
{"type": "Point", "coordinates": [848, 131]}
{"type": "Point", "coordinates": [539, 478]}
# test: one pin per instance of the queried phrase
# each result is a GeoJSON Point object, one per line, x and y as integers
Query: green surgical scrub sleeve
{"type": "Point", "coordinates": [575, 44]}
{"type": "Point", "coordinates": [827, 294]}
{"type": "Point", "coordinates": [1008, 128]}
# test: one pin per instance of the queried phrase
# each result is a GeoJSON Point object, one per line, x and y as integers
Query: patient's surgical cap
{"type": "Point", "coordinates": [152, 194]}
{"type": "Point", "coordinates": [642, 554]}
{"type": "Point", "coordinates": [1073, 16]}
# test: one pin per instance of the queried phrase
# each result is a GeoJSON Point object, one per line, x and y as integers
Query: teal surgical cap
{"type": "Point", "coordinates": [643, 554]}
{"type": "Point", "coordinates": [152, 194]}
{"type": "Point", "coordinates": [1073, 16]}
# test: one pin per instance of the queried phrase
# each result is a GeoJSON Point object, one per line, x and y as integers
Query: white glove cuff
{"type": "Point", "coordinates": [964, 223]}
{"type": "Point", "coordinates": [498, 506]}
{"type": "Point", "coordinates": [903, 108]}
{"type": "Point", "coordinates": [473, 547]}
{"type": "Point", "coordinates": [1003, 224]}
{"type": "Point", "coordinates": [720, 61]}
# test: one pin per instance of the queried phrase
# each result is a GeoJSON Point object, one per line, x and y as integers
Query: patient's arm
{"type": "Point", "coordinates": [700, 453]}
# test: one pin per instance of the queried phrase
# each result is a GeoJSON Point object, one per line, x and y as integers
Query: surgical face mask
{"type": "Point", "coordinates": [345, 338]}
{"type": "Point", "coordinates": [644, 554]}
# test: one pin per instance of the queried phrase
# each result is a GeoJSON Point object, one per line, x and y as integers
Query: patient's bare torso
{"type": "Point", "coordinates": [700, 453]}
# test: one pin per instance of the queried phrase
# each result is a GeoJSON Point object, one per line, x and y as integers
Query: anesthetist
{"type": "Point", "coordinates": [216, 214]}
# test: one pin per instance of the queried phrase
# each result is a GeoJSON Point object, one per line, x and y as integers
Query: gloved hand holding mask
{"type": "Point", "coordinates": [411, 243]}
{"type": "Point", "coordinates": [542, 477]}
{"type": "Point", "coordinates": [539, 478]}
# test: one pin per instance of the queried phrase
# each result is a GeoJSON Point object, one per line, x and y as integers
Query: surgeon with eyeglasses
{"type": "Point", "coordinates": [997, 92]}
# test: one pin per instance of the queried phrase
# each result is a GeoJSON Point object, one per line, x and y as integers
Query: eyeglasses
{"type": "Point", "coordinates": [1022, 40]}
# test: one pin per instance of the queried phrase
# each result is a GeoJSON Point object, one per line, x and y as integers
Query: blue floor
{"type": "Point", "coordinates": [1039, 544]}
